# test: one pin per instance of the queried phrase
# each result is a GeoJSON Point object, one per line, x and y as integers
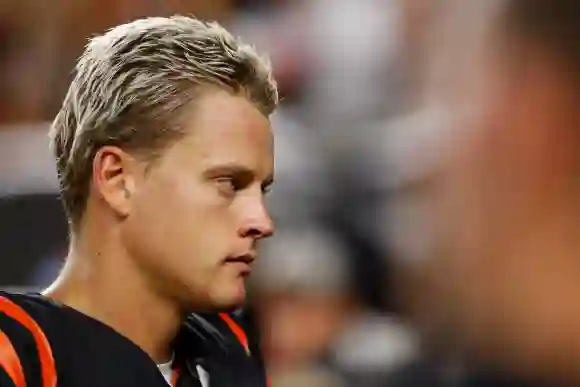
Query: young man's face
{"type": "Point", "coordinates": [199, 212]}
{"type": "Point", "coordinates": [506, 167]}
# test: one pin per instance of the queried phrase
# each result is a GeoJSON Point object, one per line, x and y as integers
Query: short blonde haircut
{"type": "Point", "coordinates": [130, 84]}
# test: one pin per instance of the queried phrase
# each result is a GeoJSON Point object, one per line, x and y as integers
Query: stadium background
{"type": "Point", "coordinates": [352, 154]}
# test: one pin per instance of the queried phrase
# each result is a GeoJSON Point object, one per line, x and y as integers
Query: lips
{"type": "Point", "coordinates": [245, 258]}
{"type": "Point", "coordinates": [242, 262]}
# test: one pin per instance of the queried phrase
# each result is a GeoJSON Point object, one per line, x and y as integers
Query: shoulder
{"type": "Point", "coordinates": [31, 311]}
{"type": "Point", "coordinates": [26, 351]}
{"type": "Point", "coordinates": [32, 303]}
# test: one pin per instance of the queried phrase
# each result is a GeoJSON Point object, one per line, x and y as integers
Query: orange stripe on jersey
{"type": "Point", "coordinates": [48, 368]}
{"type": "Point", "coordinates": [238, 331]}
{"type": "Point", "coordinates": [174, 377]}
{"type": "Point", "coordinates": [10, 361]}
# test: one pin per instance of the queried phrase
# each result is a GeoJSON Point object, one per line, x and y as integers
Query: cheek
{"type": "Point", "coordinates": [185, 202]}
{"type": "Point", "coordinates": [180, 220]}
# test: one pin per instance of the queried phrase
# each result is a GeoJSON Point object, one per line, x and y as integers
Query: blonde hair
{"type": "Point", "coordinates": [130, 84]}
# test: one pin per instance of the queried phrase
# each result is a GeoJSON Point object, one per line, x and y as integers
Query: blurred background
{"type": "Point", "coordinates": [352, 158]}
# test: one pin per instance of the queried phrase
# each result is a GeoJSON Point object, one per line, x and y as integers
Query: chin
{"type": "Point", "coordinates": [228, 303]}
{"type": "Point", "coordinates": [222, 301]}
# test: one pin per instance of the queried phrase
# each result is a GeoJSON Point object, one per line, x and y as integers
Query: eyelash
{"type": "Point", "coordinates": [266, 190]}
{"type": "Point", "coordinates": [234, 186]}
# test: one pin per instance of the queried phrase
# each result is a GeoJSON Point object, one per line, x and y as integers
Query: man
{"type": "Point", "coordinates": [506, 195]}
{"type": "Point", "coordinates": [164, 154]}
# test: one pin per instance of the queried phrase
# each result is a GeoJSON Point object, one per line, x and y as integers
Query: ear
{"type": "Point", "coordinates": [114, 178]}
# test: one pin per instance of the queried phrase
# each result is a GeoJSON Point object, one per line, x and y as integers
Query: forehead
{"type": "Point", "coordinates": [225, 128]}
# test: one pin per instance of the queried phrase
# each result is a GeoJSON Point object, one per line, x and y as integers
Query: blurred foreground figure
{"type": "Point", "coordinates": [504, 201]}
{"type": "Point", "coordinates": [164, 153]}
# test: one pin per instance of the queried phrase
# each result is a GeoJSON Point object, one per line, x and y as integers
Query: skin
{"type": "Point", "coordinates": [158, 241]}
{"type": "Point", "coordinates": [501, 280]}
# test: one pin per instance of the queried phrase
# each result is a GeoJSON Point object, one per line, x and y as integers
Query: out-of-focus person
{"type": "Point", "coordinates": [502, 269]}
{"type": "Point", "coordinates": [313, 327]}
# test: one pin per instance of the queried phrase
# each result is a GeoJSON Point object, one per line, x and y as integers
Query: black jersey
{"type": "Point", "coordinates": [45, 344]}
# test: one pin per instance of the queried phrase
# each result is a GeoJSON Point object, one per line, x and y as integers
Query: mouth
{"type": "Point", "coordinates": [243, 262]}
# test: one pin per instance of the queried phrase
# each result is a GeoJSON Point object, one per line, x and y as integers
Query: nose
{"type": "Point", "coordinates": [258, 224]}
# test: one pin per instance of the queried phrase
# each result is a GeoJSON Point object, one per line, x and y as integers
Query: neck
{"type": "Point", "coordinates": [101, 281]}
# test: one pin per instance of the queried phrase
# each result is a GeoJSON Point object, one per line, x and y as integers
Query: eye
{"type": "Point", "coordinates": [266, 189]}
{"type": "Point", "coordinates": [227, 186]}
